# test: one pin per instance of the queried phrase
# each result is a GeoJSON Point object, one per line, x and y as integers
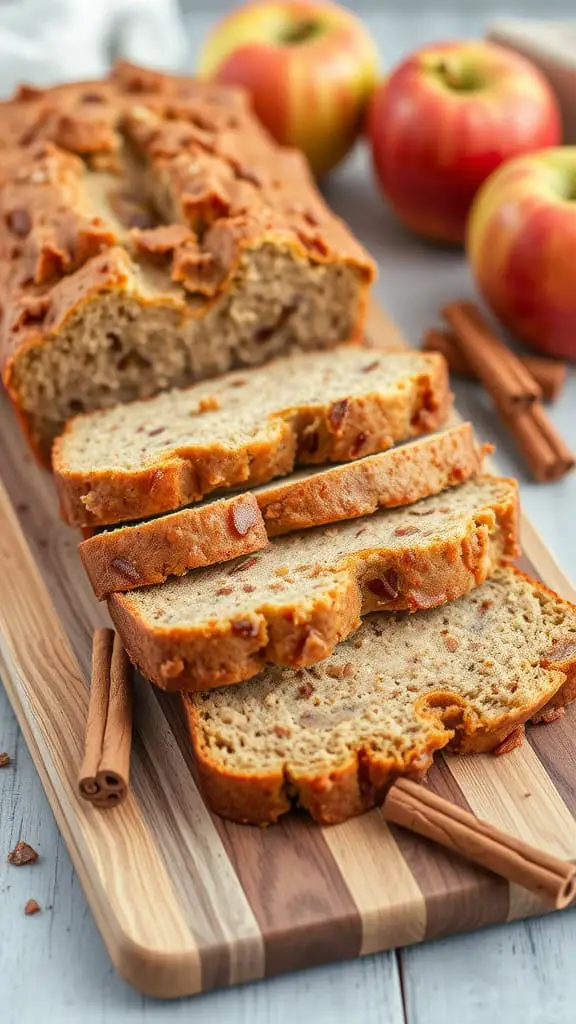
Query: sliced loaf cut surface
{"type": "Point", "coordinates": [147, 553]}
{"type": "Point", "coordinates": [293, 602]}
{"type": "Point", "coordinates": [147, 457]}
{"type": "Point", "coordinates": [142, 554]}
{"type": "Point", "coordinates": [333, 737]}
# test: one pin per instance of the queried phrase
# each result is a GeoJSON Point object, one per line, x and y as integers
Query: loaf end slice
{"type": "Point", "coordinates": [293, 602]}
{"type": "Point", "coordinates": [143, 554]}
{"type": "Point", "coordinates": [153, 235]}
{"type": "Point", "coordinates": [245, 428]}
{"type": "Point", "coordinates": [333, 737]}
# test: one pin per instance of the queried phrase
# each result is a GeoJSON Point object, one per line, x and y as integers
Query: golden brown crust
{"type": "Point", "coordinates": [357, 786]}
{"type": "Point", "coordinates": [363, 781]}
{"type": "Point", "coordinates": [147, 553]}
{"type": "Point", "coordinates": [224, 186]}
{"type": "Point", "coordinates": [187, 474]}
{"type": "Point", "coordinates": [197, 658]}
{"type": "Point", "coordinates": [398, 477]}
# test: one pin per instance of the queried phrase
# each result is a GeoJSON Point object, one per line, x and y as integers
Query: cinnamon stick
{"type": "Point", "coordinates": [501, 372]}
{"type": "Point", "coordinates": [540, 444]}
{"type": "Point", "coordinates": [105, 770]}
{"type": "Point", "coordinates": [415, 807]}
{"type": "Point", "coordinates": [550, 374]}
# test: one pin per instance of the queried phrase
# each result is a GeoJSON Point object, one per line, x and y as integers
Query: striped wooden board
{"type": "Point", "coordinates": [185, 901]}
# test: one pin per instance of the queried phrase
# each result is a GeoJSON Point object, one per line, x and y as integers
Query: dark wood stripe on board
{"type": "Point", "coordinates": [321, 922]}
{"type": "Point", "coordinates": [179, 861]}
{"type": "Point", "coordinates": [459, 896]}
{"type": "Point", "coordinates": [315, 923]}
{"type": "Point", "coordinates": [554, 745]}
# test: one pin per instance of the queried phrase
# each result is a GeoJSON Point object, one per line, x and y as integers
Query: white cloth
{"type": "Point", "coordinates": [47, 41]}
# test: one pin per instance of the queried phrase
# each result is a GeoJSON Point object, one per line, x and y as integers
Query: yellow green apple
{"type": "Point", "coordinates": [309, 65]}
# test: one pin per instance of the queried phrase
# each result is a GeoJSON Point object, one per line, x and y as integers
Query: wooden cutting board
{"type": "Point", "coordinates": [185, 901]}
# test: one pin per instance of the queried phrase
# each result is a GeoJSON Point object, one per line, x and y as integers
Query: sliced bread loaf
{"type": "Point", "coordinates": [333, 737]}
{"type": "Point", "coordinates": [141, 554]}
{"type": "Point", "coordinates": [147, 457]}
{"type": "Point", "coordinates": [146, 553]}
{"type": "Point", "coordinates": [294, 601]}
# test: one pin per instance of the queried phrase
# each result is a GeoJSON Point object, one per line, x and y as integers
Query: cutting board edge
{"type": "Point", "coordinates": [147, 970]}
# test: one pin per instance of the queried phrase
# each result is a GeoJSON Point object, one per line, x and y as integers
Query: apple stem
{"type": "Point", "coordinates": [456, 77]}
{"type": "Point", "coordinates": [300, 32]}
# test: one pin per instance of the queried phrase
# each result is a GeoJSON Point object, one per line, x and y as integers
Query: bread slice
{"type": "Point", "coordinates": [294, 601]}
{"type": "Point", "coordinates": [146, 553]}
{"type": "Point", "coordinates": [143, 458]}
{"type": "Point", "coordinates": [332, 738]}
{"type": "Point", "coordinates": [397, 477]}
{"type": "Point", "coordinates": [141, 554]}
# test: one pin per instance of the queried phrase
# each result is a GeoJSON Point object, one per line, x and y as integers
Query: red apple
{"type": "Point", "coordinates": [310, 67]}
{"type": "Point", "coordinates": [521, 243]}
{"type": "Point", "coordinates": [445, 119]}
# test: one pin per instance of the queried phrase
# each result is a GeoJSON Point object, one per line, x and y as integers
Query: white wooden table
{"type": "Point", "coordinates": [53, 966]}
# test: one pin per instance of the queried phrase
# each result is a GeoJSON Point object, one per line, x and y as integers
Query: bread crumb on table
{"type": "Point", "coordinates": [22, 854]}
{"type": "Point", "coordinates": [5, 760]}
{"type": "Point", "coordinates": [32, 907]}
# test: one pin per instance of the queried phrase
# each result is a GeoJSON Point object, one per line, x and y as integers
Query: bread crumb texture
{"type": "Point", "coordinates": [153, 234]}
{"type": "Point", "coordinates": [294, 601]}
{"type": "Point", "coordinates": [332, 737]}
{"type": "Point", "coordinates": [147, 457]}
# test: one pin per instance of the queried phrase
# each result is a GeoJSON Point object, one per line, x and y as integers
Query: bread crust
{"type": "Point", "coordinates": [197, 658]}
{"type": "Point", "coordinates": [148, 553]}
{"type": "Point", "coordinates": [188, 473]}
{"type": "Point", "coordinates": [398, 477]}
{"type": "Point", "coordinates": [171, 545]}
{"type": "Point", "coordinates": [223, 187]}
{"type": "Point", "coordinates": [363, 781]}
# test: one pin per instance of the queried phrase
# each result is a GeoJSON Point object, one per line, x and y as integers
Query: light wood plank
{"type": "Point", "coordinates": [522, 973]}
{"type": "Point", "coordinates": [543, 560]}
{"type": "Point", "coordinates": [65, 956]}
{"type": "Point", "coordinates": [202, 874]}
{"type": "Point", "coordinates": [516, 793]}
{"type": "Point", "coordinates": [366, 990]}
{"type": "Point", "coordinates": [385, 891]}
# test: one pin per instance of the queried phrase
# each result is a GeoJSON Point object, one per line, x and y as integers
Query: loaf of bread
{"type": "Point", "coordinates": [141, 554]}
{"type": "Point", "coordinates": [294, 601]}
{"type": "Point", "coordinates": [151, 235]}
{"type": "Point", "coordinates": [147, 457]}
{"type": "Point", "coordinates": [332, 738]}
